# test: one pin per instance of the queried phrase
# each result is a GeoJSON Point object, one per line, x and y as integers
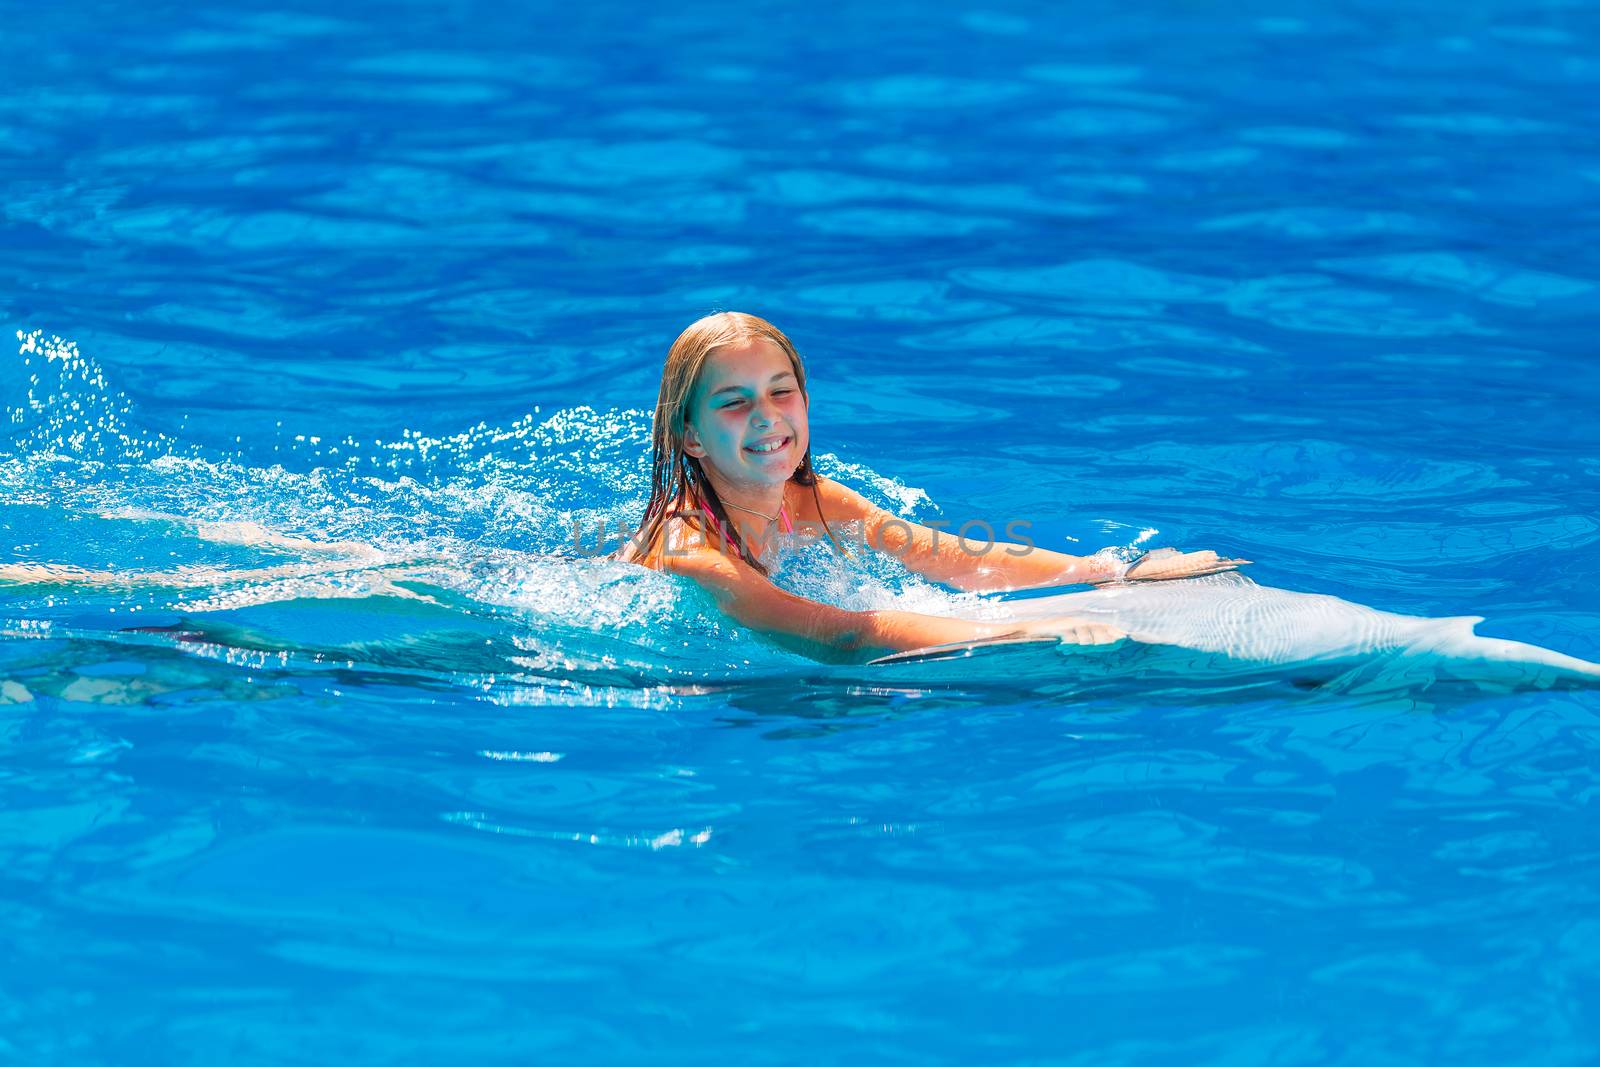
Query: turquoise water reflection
{"type": "Point", "coordinates": [1308, 285]}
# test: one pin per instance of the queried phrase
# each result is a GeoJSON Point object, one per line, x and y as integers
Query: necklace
{"type": "Point", "coordinates": [752, 511]}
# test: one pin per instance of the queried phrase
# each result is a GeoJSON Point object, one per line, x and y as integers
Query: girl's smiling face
{"type": "Point", "coordinates": [747, 417]}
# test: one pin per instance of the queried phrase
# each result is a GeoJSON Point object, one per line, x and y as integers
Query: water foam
{"type": "Point", "coordinates": [493, 519]}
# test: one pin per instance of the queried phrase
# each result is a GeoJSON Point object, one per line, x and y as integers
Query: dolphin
{"type": "Point", "coordinates": [1226, 624]}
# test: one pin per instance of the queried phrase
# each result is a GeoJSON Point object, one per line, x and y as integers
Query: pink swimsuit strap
{"type": "Point", "coordinates": [784, 525]}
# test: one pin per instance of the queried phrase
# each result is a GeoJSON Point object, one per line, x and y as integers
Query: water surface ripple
{"type": "Point", "coordinates": [1309, 284]}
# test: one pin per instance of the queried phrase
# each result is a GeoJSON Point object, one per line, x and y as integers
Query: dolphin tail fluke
{"type": "Point", "coordinates": [1516, 651]}
{"type": "Point", "coordinates": [1506, 660]}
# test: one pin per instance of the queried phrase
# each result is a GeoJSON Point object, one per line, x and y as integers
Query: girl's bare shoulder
{"type": "Point", "coordinates": [841, 503]}
{"type": "Point", "coordinates": [683, 544]}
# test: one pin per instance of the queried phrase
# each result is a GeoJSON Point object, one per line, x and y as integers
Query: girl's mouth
{"type": "Point", "coordinates": [768, 445]}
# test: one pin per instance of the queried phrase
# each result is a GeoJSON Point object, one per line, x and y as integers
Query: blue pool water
{"type": "Point", "coordinates": [1312, 284]}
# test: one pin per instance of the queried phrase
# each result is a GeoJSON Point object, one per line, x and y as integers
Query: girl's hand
{"type": "Point", "coordinates": [1073, 631]}
{"type": "Point", "coordinates": [1164, 564]}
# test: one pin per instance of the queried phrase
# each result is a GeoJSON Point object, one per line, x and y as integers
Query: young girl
{"type": "Point", "coordinates": [731, 467]}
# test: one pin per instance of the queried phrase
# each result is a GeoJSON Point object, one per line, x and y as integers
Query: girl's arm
{"type": "Point", "coordinates": [981, 565]}
{"type": "Point", "coordinates": [823, 631]}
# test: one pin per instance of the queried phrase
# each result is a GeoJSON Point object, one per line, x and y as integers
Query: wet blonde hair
{"type": "Point", "coordinates": [678, 483]}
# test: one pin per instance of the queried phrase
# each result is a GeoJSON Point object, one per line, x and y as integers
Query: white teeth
{"type": "Point", "coordinates": [772, 447]}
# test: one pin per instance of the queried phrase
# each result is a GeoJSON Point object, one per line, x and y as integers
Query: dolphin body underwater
{"type": "Point", "coordinates": [1225, 625]}
{"type": "Point", "coordinates": [1221, 629]}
